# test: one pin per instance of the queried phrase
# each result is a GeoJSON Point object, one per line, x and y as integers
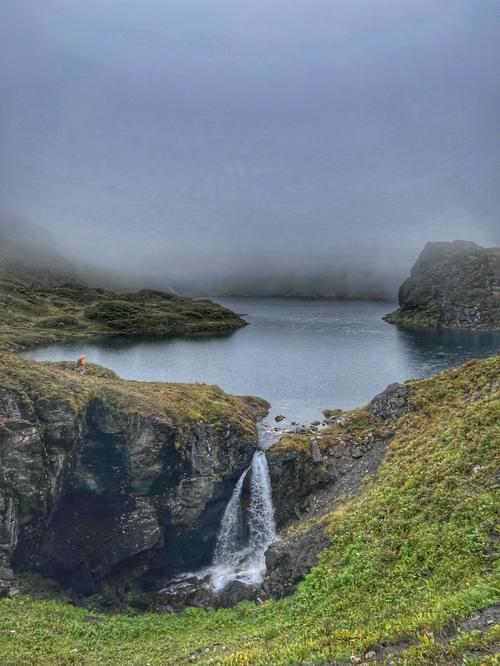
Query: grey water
{"type": "Point", "coordinates": [302, 356]}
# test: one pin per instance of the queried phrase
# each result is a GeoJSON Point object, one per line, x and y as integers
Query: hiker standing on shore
{"type": "Point", "coordinates": [82, 364]}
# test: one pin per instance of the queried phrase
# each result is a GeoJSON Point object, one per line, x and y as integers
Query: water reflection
{"type": "Point", "coordinates": [430, 351]}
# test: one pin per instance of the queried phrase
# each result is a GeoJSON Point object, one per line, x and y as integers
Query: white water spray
{"type": "Point", "coordinates": [229, 535]}
{"type": "Point", "coordinates": [261, 524]}
{"type": "Point", "coordinates": [231, 560]}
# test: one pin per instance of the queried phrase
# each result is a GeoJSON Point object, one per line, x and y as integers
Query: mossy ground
{"type": "Point", "coordinates": [413, 318]}
{"type": "Point", "coordinates": [62, 383]}
{"type": "Point", "coordinates": [35, 313]}
{"type": "Point", "coordinates": [411, 554]}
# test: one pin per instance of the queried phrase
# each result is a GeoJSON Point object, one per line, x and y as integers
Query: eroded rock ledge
{"type": "Point", "coordinates": [100, 476]}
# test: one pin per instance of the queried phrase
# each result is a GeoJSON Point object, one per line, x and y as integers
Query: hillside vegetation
{"type": "Point", "coordinates": [38, 308]}
{"type": "Point", "coordinates": [410, 557]}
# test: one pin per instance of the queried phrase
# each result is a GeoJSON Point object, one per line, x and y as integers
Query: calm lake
{"type": "Point", "coordinates": [303, 356]}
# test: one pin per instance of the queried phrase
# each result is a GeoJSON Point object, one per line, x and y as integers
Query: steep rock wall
{"type": "Point", "coordinates": [100, 476]}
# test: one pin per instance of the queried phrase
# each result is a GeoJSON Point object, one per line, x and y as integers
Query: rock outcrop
{"type": "Point", "coordinates": [309, 471]}
{"type": "Point", "coordinates": [391, 403]}
{"type": "Point", "coordinates": [455, 285]}
{"type": "Point", "coordinates": [99, 476]}
{"type": "Point", "coordinates": [289, 559]}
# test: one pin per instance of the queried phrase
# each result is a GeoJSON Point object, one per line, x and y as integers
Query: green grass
{"type": "Point", "coordinates": [413, 552]}
{"type": "Point", "coordinates": [35, 312]}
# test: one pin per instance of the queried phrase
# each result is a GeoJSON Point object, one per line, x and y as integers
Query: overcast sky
{"type": "Point", "coordinates": [202, 140]}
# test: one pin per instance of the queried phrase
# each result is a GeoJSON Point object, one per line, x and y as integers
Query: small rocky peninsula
{"type": "Point", "coordinates": [40, 306]}
{"type": "Point", "coordinates": [453, 285]}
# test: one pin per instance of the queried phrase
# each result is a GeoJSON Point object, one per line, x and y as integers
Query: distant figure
{"type": "Point", "coordinates": [82, 363]}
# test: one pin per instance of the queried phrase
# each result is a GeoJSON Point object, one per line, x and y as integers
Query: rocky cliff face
{"type": "Point", "coordinates": [455, 285]}
{"type": "Point", "coordinates": [99, 476]}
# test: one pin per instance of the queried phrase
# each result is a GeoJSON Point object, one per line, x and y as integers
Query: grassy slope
{"type": "Point", "coordinates": [413, 552]}
{"type": "Point", "coordinates": [60, 382]}
{"type": "Point", "coordinates": [39, 310]}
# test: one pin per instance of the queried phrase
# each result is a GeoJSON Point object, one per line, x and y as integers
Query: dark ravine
{"type": "Point", "coordinates": [101, 477]}
{"type": "Point", "coordinates": [453, 285]}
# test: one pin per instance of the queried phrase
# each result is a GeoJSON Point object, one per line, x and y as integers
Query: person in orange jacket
{"type": "Point", "coordinates": [82, 363]}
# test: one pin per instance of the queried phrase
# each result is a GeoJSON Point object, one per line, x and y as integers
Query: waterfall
{"type": "Point", "coordinates": [231, 560]}
{"type": "Point", "coordinates": [229, 535]}
{"type": "Point", "coordinates": [261, 523]}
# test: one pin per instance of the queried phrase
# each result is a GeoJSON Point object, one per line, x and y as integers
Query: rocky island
{"type": "Point", "coordinates": [454, 285]}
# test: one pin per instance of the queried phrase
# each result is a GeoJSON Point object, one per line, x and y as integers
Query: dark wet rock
{"type": "Point", "coordinates": [455, 285]}
{"type": "Point", "coordinates": [289, 559]}
{"type": "Point", "coordinates": [6, 581]}
{"type": "Point", "coordinates": [235, 592]}
{"type": "Point", "coordinates": [181, 593]}
{"type": "Point", "coordinates": [279, 418]}
{"type": "Point", "coordinates": [294, 476]}
{"type": "Point", "coordinates": [391, 403]}
{"type": "Point", "coordinates": [191, 591]}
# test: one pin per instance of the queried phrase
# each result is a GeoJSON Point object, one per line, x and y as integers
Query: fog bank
{"type": "Point", "coordinates": [306, 148]}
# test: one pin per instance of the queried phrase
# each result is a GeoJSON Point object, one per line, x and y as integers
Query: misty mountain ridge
{"type": "Point", "coordinates": [30, 252]}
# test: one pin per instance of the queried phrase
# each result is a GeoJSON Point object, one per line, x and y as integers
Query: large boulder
{"type": "Point", "coordinates": [289, 559]}
{"type": "Point", "coordinates": [454, 285]}
{"type": "Point", "coordinates": [391, 403]}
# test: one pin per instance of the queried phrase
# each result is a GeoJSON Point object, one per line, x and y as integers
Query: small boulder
{"type": "Point", "coordinates": [391, 403]}
{"type": "Point", "coordinates": [235, 592]}
{"type": "Point", "coordinates": [279, 418]}
{"type": "Point", "coordinates": [315, 452]}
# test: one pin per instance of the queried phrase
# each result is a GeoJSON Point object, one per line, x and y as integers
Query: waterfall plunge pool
{"type": "Point", "coordinates": [246, 531]}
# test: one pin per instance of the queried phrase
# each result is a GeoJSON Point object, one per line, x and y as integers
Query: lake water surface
{"type": "Point", "coordinates": [303, 356]}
